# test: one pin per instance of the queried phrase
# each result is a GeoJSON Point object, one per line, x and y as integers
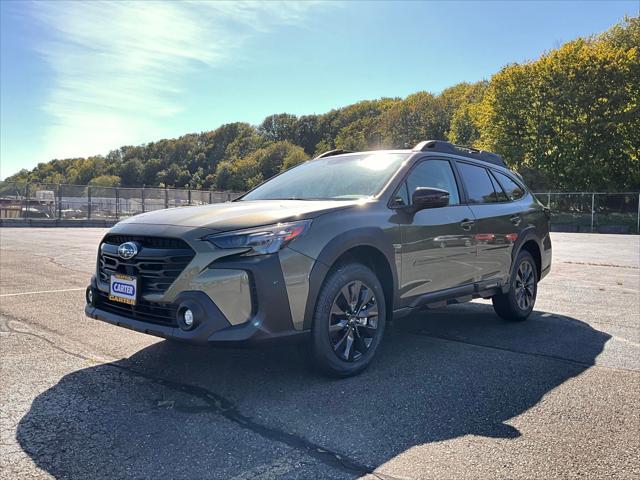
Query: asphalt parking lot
{"type": "Point", "coordinates": [454, 393]}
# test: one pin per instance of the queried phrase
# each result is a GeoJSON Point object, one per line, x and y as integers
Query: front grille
{"type": "Point", "coordinates": [158, 263]}
{"type": "Point", "coordinates": [149, 242]}
{"type": "Point", "coordinates": [158, 313]}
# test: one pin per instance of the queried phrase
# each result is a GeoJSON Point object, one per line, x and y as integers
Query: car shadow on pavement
{"type": "Point", "coordinates": [180, 411]}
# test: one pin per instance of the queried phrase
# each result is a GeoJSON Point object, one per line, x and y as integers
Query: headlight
{"type": "Point", "coordinates": [261, 240]}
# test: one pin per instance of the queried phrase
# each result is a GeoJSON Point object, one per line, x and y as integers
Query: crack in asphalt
{"type": "Point", "coordinates": [224, 407]}
{"type": "Point", "coordinates": [6, 328]}
{"type": "Point", "coordinates": [53, 260]}
{"type": "Point", "coordinates": [219, 405]}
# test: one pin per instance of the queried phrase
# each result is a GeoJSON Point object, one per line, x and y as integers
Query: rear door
{"type": "Point", "coordinates": [437, 247]}
{"type": "Point", "coordinates": [498, 222]}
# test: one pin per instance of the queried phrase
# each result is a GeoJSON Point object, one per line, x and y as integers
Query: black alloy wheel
{"type": "Point", "coordinates": [348, 321]}
{"type": "Point", "coordinates": [518, 302]}
{"type": "Point", "coordinates": [525, 285]}
{"type": "Point", "coordinates": [354, 321]}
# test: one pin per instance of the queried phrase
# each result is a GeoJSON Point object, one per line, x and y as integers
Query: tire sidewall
{"type": "Point", "coordinates": [522, 314]}
{"type": "Point", "coordinates": [322, 351]}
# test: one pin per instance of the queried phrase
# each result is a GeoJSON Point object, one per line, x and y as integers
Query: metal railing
{"type": "Point", "coordinates": [86, 202]}
{"type": "Point", "coordinates": [571, 211]}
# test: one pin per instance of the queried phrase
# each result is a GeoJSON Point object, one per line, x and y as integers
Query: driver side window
{"type": "Point", "coordinates": [434, 174]}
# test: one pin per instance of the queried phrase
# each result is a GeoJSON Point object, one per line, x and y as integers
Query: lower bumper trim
{"type": "Point", "coordinates": [236, 336]}
{"type": "Point", "coordinates": [214, 329]}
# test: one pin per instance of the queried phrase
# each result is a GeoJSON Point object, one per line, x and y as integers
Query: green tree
{"type": "Point", "coordinates": [105, 181]}
{"type": "Point", "coordinates": [272, 158]}
{"type": "Point", "coordinates": [175, 176]}
{"type": "Point", "coordinates": [224, 176]}
{"type": "Point", "coordinates": [279, 127]}
{"type": "Point", "coordinates": [417, 118]}
{"type": "Point", "coordinates": [150, 170]}
{"type": "Point", "coordinates": [463, 126]}
{"type": "Point", "coordinates": [131, 172]}
{"type": "Point", "coordinates": [573, 115]}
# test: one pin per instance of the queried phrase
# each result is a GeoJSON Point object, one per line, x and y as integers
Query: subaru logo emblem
{"type": "Point", "coordinates": [127, 250]}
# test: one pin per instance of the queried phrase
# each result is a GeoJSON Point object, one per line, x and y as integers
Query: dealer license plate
{"type": "Point", "coordinates": [123, 289]}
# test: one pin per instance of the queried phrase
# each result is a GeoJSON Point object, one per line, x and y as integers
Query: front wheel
{"type": "Point", "coordinates": [517, 304]}
{"type": "Point", "coordinates": [348, 322]}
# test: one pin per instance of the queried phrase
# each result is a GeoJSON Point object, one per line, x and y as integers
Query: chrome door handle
{"type": "Point", "coordinates": [516, 219]}
{"type": "Point", "coordinates": [466, 224]}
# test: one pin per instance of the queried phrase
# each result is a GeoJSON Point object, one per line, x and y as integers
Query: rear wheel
{"type": "Point", "coordinates": [348, 322]}
{"type": "Point", "coordinates": [517, 304]}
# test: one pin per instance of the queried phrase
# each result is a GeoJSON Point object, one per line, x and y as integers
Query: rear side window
{"type": "Point", "coordinates": [434, 174]}
{"type": "Point", "coordinates": [477, 183]}
{"type": "Point", "coordinates": [512, 189]}
{"type": "Point", "coordinates": [502, 196]}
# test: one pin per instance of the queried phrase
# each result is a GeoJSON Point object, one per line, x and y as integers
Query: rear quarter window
{"type": "Point", "coordinates": [513, 190]}
{"type": "Point", "coordinates": [502, 196]}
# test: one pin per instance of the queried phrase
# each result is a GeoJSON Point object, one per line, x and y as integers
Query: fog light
{"type": "Point", "coordinates": [90, 296]}
{"type": "Point", "coordinates": [188, 317]}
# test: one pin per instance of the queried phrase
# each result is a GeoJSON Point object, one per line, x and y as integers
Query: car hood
{"type": "Point", "coordinates": [242, 214]}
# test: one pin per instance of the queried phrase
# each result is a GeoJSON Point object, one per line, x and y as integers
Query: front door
{"type": "Point", "coordinates": [438, 251]}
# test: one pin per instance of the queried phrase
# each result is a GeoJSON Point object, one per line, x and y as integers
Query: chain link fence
{"type": "Point", "coordinates": [85, 202]}
{"type": "Point", "coordinates": [571, 212]}
{"type": "Point", "coordinates": [593, 212]}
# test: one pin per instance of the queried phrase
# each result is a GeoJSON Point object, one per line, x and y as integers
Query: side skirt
{"type": "Point", "coordinates": [462, 294]}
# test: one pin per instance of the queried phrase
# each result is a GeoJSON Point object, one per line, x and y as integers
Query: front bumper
{"type": "Point", "coordinates": [271, 321]}
{"type": "Point", "coordinates": [236, 299]}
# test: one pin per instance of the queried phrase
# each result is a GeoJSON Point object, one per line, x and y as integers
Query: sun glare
{"type": "Point", "coordinates": [378, 161]}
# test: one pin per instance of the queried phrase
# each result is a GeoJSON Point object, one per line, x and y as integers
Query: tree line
{"type": "Point", "coordinates": [568, 121]}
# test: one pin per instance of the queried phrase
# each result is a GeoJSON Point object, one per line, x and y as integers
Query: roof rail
{"type": "Point", "coordinates": [447, 147]}
{"type": "Point", "coordinates": [331, 153]}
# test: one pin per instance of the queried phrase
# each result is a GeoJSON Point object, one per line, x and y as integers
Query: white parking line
{"type": "Point", "coordinates": [41, 291]}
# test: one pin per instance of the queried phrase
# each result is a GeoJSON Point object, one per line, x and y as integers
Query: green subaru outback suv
{"type": "Point", "coordinates": [329, 251]}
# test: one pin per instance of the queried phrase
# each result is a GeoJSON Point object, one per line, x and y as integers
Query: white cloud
{"type": "Point", "coordinates": [118, 68]}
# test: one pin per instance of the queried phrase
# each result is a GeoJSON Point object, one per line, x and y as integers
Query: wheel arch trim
{"type": "Point", "coordinates": [362, 237]}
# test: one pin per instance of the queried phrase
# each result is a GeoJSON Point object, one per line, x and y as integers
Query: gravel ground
{"type": "Point", "coordinates": [454, 393]}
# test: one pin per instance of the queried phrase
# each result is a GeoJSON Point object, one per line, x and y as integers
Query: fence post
{"type": "Point", "coordinates": [88, 203]}
{"type": "Point", "coordinates": [210, 197]}
{"type": "Point", "coordinates": [117, 203]}
{"type": "Point", "coordinates": [166, 197]}
{"type": "Point", "coordinates": [142, 196]}
{"type": "Point", "coordinates": [26, 201]}
{"type": "Point", "coordinates": [59, 201]}
{"type": "Point", "coordinates": [189, 196]}
{"type": "Point", "coordinates": [593, 205]}
{"type": "Point", "coordinates": [549, 199]}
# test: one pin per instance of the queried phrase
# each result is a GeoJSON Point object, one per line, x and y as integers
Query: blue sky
{"type": "Point", "coordinates": [82, 78]}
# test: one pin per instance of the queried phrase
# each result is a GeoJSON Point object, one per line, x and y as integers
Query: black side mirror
{"type": "Point", "coordinates": [424, 197]}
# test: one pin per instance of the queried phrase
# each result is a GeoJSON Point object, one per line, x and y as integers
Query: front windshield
{"type": "Point", "coordinates": [342, 177]}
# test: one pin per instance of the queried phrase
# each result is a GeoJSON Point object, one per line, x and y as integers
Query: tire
{"type": "Point", "coordinates": [517, 304]}
{"type": "Point", "coordinates": [348, 321]}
